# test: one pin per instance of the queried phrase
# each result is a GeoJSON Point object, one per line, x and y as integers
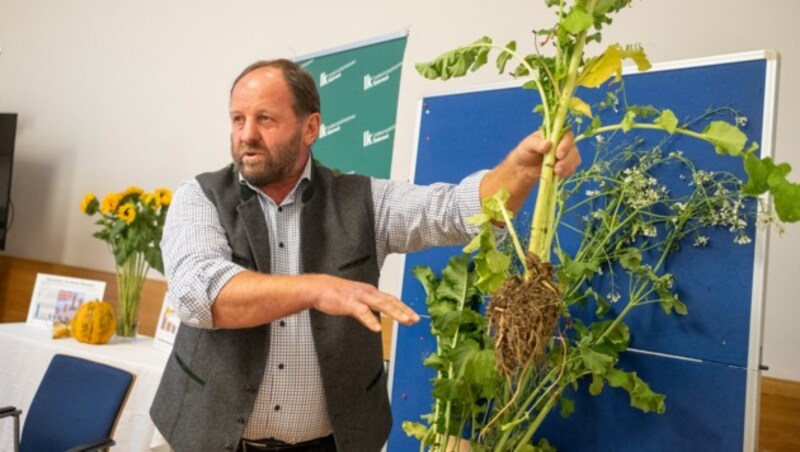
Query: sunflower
{"type": "Point", "coordinates": [132, 190]}
{"type": "Point", "coordinates": [89, 204]}
{"type": "Point", "coordinates": [110, 203]}
{"type": "Point", "coordinates": [148, 199]}
{"type": "Point", "coordinates": [163, 196]}
{"type": "Point", "coordinates": [127, 212]}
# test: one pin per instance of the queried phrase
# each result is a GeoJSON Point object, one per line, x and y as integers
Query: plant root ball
{"type": "Point", "coordinates": [522, 316]}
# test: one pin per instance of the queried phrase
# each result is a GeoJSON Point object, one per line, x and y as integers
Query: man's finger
{"type": "Point", "coordinates": [368, 319]}
{"type": "Point", "coordinates": [396, 309]}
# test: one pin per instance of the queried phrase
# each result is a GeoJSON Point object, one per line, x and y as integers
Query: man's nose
{"type": "Point", "coordinates": [249, 132]}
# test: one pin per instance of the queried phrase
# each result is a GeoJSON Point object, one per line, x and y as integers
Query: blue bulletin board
{"type": "Point", "coordinates": [706, 363]}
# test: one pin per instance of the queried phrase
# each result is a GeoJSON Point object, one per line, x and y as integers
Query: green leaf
{"type": "Point", "coordinates": [785, 194]}
{"type": "Point", "coordinates": [670, 301]}
{"type": "Point", "coordinates": [571, 270]}
{"type": "Point", "coordinates": [577, 21]}
{"type": "Point", "coordinates": [764, 175]}
{"type": "Point", "coordinates": [448, 389]}
{"type": "Point", "coordinates": [628, 121]}
{"type": "Point", "coordinates": [503, 58]}
{"type": "Point", "coordinates": [477, 366]}
{"type": "Point", "coordinates": [415, 429]}
{"type": "Point", "coordinates": [427, 278]}
{"type": "Point", "coordinates": [595, 362]}
{"type": "Point", "coordinates": [726, 138]}
{"type": "Point", "coordinates": [615, 341]}
{"type": "Point", "coordinates": [567, 406]}
{"type": "Point", "coordinates": [667, 121]}
{"type": "Point", "coordinates": [458, 62]}
{"type": "Point", "coordinates": [435, 362]}
{"type": "Point", "coordinates": [481, 58]}
{"type": "Point", "coordinates": [758, 171]}
{"type": "Point", "coordinates": [603, 306]}
{"type": "Point", "coordinates": [642, 397]}
{"type": "Point", "coordinates": [454, 279]}
{"type": "Point", "coordinates": [597, 384]}
{"type": "Point", "coordinates": [644, 111]}
{"type": "Point", "coordinates": [630, 259]}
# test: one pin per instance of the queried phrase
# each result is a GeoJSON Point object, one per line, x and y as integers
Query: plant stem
{"type": "Point", "coordinates": [130, 280]}
{"type": "Point", "coordinates": [639, 125]}
{"type": "Point", "coordinates": [526, 438]}
{"type": "Point", "coordinates": [513, 233]}
{"type": "Point", "coordinates": [545, 200]}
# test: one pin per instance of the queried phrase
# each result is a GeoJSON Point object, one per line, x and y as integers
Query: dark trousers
{"type": "Point", "coordinates": [326, 444]}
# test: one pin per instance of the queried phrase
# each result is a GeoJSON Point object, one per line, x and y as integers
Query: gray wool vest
{"type": "Point", "coordinates": [211, 379]}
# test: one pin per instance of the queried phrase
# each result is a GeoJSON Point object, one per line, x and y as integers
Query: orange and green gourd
{"type": "Point", "coordinates": [94, 323]}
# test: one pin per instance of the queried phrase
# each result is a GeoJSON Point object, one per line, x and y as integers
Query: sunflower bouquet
{"type": "Point", "coordinates": [131, 223]}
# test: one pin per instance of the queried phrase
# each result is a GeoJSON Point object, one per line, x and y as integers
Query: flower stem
{"type": "Point", "coordinates": [130, 280]}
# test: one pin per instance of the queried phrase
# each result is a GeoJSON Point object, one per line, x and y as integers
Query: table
{"type": "Point", "coordinates": [26, 351]}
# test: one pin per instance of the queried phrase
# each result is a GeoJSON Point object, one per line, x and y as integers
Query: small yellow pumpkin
{"type": "Point", "coordinates": [94, 323]}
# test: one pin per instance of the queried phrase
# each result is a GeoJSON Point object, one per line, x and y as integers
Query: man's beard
{"type": "Point", "coordinates": [278, 165]}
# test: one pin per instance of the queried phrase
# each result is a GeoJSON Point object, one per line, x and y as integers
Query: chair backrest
{"type": "Point", "coordinates": [77, 402]}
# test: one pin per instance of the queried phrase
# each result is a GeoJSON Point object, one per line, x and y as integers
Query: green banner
{"type": "Point", "coordinates": [358, 88]}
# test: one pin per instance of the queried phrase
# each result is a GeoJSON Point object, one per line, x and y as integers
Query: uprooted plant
{"type": "Point", "coordinates": [503, 372]}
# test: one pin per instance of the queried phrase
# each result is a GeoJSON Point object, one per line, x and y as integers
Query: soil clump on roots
{"type": "Point", "coordinates": [523, 314]}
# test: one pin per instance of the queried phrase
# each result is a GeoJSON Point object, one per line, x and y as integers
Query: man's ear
{"type": "Point", "coordinates": [311, 125]}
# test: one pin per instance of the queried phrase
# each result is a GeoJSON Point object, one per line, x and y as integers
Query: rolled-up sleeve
{"type": "Point", "coordinates": [197, 256]}
{"type": "Point", "coordinates": [412, 217]}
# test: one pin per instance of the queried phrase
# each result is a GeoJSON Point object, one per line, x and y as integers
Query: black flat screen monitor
{"type": "Point", "coordinates": [8, 133]}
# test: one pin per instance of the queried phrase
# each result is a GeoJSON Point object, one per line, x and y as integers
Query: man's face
{"type": "Point", "coordinates": [269, 143]}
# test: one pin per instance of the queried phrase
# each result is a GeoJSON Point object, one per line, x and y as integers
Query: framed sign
{"type": "Point", "coordinates": [57, 298]}
{"type": "Point", "coordinates": [167, 328]}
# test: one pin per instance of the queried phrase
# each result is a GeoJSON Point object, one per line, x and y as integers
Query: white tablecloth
{"type": "Point", "coordinates": [26, 351]}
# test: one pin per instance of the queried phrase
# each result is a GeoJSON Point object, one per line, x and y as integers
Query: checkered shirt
{"type": "Point", "coordinates": [290, 405]}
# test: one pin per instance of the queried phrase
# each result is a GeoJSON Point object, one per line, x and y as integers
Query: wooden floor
{"type": "Point", "coordinates": [779, 420]}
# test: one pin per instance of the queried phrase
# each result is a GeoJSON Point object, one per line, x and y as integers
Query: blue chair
{"type": "Point", "coordinates": [76, 407]}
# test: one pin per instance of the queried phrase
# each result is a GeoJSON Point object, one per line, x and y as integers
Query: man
{"type": "Point", "coordinates": [273, 265]}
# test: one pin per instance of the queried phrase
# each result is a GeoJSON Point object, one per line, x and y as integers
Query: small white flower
{"type": "Point", "coordinates": [613, 296]}
{"type": "Point", "coordinates": [741, 121]}
{"type": "Point", "coordinates": [679, 206]}
{"type": "Point", "coordinates": [649, 231]}
{"type": "Point", "coordinates": [742, 239]}
{"type": "Point", "coordinates": [592, 192]}
{"type": "Point", "coordinates": [600, 138]}
{"type": "Point", "coordinates": [700, 240]}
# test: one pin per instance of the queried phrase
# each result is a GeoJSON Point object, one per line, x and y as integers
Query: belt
{"type": "Point", "coordinates": [325, 443]}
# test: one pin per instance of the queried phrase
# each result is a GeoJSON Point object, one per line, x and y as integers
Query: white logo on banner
{"type": "Point", "coordinates": [329, 77]}
{"type": "Point", "coordinates": [371, 81]}
{"type": "Point", "coordinates": [330, 129]}
{"type": "Point", "coordinates": [370, 138]}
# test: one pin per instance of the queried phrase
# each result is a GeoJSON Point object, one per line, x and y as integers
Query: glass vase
{"type": "Point", "coordinates": [130, 280]}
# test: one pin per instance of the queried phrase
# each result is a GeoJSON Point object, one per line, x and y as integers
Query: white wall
{"type": "Point", "coordinates": [114, 93]}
